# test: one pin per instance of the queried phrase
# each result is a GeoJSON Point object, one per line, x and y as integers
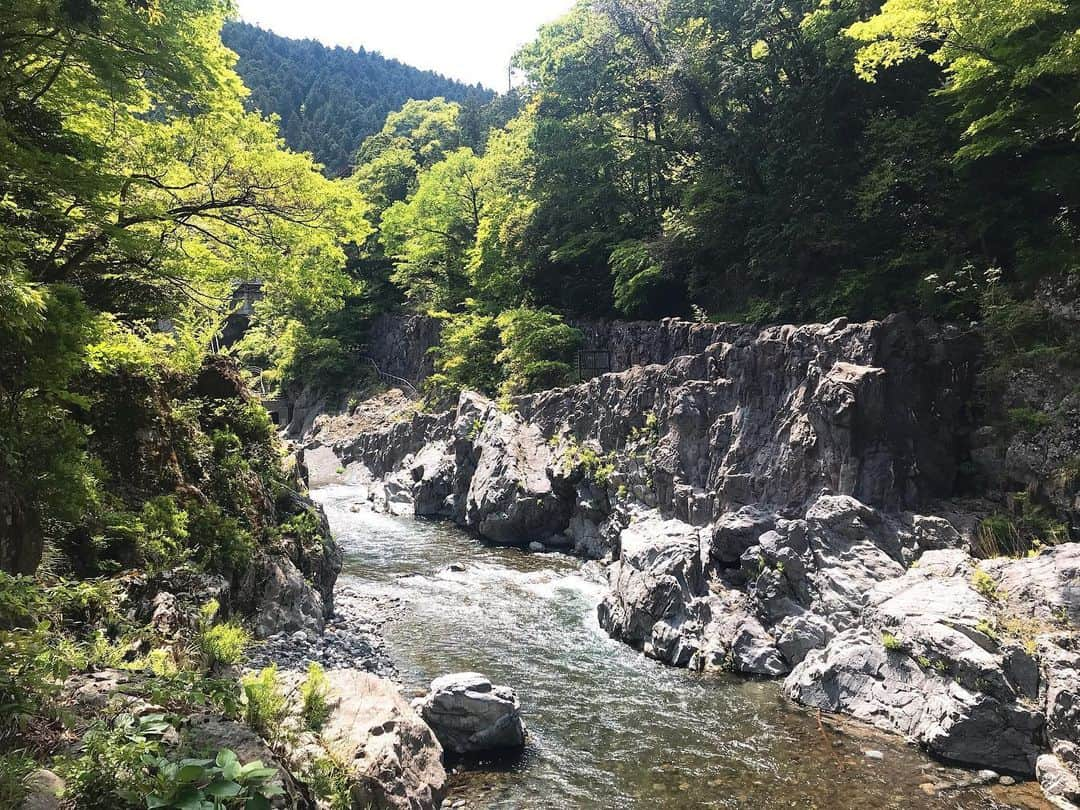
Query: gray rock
{"type": "Point", "coordinates": [394, 758]}
{"type": "Point", "coordinates": [857, 675]}
{"type": "Point", "coordinates": [469, 715]}
{"type": "Point", "coordinates": [735, 532]}
{"type": "Point", "coordinates": [658, 573]}
{"type": "Point", "coordinates": [44, 790]}
{"type": "Point", "coordinates": [1056, 780]}
{"type": "Point", "coordinates": [537, 548]}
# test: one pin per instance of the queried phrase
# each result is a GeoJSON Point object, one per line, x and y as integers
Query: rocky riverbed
{"type": "Point", "coordinates": [779, 504]}
{"type": "Point", "coordinates": [352, 639]}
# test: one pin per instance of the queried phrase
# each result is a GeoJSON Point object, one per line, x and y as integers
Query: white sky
{"type": "Point", "coordinates": [469, 40]}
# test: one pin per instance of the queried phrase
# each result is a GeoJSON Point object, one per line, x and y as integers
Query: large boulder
{"type": "Point", "coordinates": [509, 497]}
{"type": "Point", "coordinates": [280, 599]}
{"type": "Point", "coordinates": [654, 582]}
{"type": "Point", "coordinates": [928, 663]}
{"type": "Point", "coordinates": [394, 759]}
{"type": "Point", "coordinates": [858, 674]}
{"type": "Point", "coordinates": [470, 715]}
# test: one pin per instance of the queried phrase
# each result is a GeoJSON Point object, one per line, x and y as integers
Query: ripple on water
{"type": "Point", "coordinates": [608, 728]}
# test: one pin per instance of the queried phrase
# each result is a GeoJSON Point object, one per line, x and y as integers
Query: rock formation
{"type": "Point", "coordinates": [776, 503]}
{"type": "Point", "coordinates": [469, 715]}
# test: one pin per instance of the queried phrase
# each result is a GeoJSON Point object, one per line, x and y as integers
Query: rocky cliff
{"type": "Point", "coordinates": [777, 502]}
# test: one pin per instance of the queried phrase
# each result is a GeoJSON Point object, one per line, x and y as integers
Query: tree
{"type": "Point", "coordinates": [1011, 64]}
{"type": "Point", "coordinates": [134, 188]}
{"type": "Point", "coordinates": [430, 236]}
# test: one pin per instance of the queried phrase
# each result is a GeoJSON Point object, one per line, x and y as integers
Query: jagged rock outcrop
{"type": "Point", "coordinates": [469, 715]}
{"type": "Point", "coordinates": [774, 501]}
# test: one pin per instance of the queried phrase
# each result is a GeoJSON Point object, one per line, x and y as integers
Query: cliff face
{"type": "Point", "coordinates": [776, 501]}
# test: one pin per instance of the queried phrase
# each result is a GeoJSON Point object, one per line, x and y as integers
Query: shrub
{"type": "Point", "coordinates": [1016, 536]}
{"type": "Point", "coordinates": [891, 642]}
{"type": "Point", "coordinates": [222, 543]}
{"type": "Point", "coordinates": [219, 643]}
{"type": "Point", "coordinates": [15, 766]}
{"type": "Point", "coordinates": [988, 629]}
{"type": "Point", "coordinates": [982, 582]}
{"type": "Point", "coordinates": [331, 782]}
{"type": "Point", "coordinates": [1028, 420]}
{"type": "Point", "coordinates": [212, 783]}
{"type": "Point", "coordinates": [163, 544]}
{"type": "Point", "coordinates": [264, 704]}
{"type": "Point", "coordinates": [314, 696]}
{"type": "Point", "coordinates": [465, 356]}
{"type": "Point", "coordinates": [538, 351]}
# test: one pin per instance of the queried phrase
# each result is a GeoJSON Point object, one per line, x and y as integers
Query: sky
{"type": "Point", "coordinates": [468, 40]}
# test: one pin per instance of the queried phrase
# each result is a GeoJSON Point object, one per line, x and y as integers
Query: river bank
{"type": "Point", "coordinates": [777, 505]}
{"type": "Point", "coordinates": [607, 725]}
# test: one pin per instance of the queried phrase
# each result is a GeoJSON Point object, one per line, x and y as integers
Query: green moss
{"type": "Point", "coordinates": [1028, 420]}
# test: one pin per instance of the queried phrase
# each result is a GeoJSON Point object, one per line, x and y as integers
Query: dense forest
{"type": "Point", "coordinates": [330, 99]}
{"type": "Point", "coordinates": [743, 160]}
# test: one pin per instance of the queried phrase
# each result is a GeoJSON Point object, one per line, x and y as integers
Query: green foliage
{"type": "Point", "coordinates": [331, 781]}
{"type": "Point", "coordinates": [315, 698]}
{"type": "Point", "coordinates": [213, 784]}
{"type": "Point", "coordinates": [988, 629]}
{"type": "Point", "coordinates": [163, 544]}
{"type": "Point", "coordinates": [330, 99]}
{"type": "Point", "coordinates": [538, 351]}
{"type": "Point", "coordinates": [264, 704]}
{"type": "Point", "coordinates": [597, 468]}
{"type": "Point", "coordinates": [1003, 58]}
{"type": "Point", "coordinates": [891, 642]}
{"type": "Point", "coordinates": [429, 236]}
{"type": "Point", "coordinates": [1028, 419]}
{"type": "Point", "coordinates": [220, 643]}
{"type": "Point", "coordinates": [985, 584]}
{"type": "Point", "coordinates": [638, 277]}
{"type": "Point", "coordinates": [127, 765]}
{"type": "Point", "coordinates": [1030, 528]}
{"type": "Point", "coordinates": [15, 766]}
{"type": "Point", "coordinates": [465, 356]}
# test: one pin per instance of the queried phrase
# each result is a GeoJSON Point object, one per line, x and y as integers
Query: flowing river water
{"type": "Point", "coordinates": [608, 728]}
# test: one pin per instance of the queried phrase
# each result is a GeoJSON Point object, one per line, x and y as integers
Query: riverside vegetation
{"type": "Point", "coordinates": [744, 161]}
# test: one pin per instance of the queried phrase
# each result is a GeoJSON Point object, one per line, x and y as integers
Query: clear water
{"type": "Point", "coordinates": [608, 728]}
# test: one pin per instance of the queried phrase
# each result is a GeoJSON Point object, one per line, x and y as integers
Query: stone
{"type": "Point", "coordinates": [44, 791]}
{"type": "Point", "coordinates": [537, 547]}
{"type": "Point", "coordinates": [470, 715]}
{"type": "Point", "coordinates": [735, 532]}
{"type": "Point", "coordinates": [281, 598]}
{"type": "Point", "coordinates": [394, 758]}
{"type": "Point", "coordinates": [657, 575]}
{"type": "Point", "coordinates": [1056, 780]}
{"type": "Point", "coordinates": [857, 675]}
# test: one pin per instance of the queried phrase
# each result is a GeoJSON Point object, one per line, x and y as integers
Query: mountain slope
{"type": "Point", "coordinates": [330, 99]}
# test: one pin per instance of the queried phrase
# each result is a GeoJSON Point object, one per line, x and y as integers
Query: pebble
{"type": "Point", "coordinates": [1007, 781]}
{"type": "Point", "coordinates": [872, 754]}
{"type": "Point", "coordinates": [352, 639]}
{"type": "Point", "coordinates": [536, 547]}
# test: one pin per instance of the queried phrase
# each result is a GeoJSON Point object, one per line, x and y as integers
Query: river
{"type": "Point", "coordinates": [608, 728]}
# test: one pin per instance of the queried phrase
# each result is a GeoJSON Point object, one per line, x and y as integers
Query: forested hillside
{"type": "Point", "coordinates": [330, 99]}
{"type": "Point", "coordinates": [735, 160]}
